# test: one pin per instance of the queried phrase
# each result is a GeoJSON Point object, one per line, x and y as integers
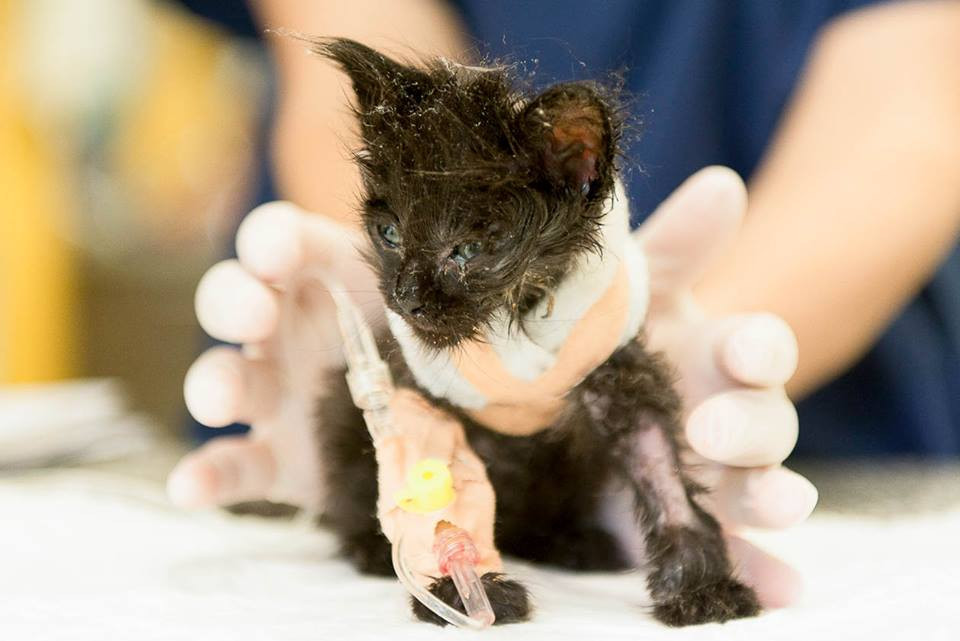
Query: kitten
{"type": "Point", "coordinates": [496, 222]}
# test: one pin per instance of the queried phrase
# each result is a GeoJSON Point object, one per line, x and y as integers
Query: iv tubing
{"type": "Point", "coordinates": [371, 388]}
{"type": "Point", "coordinates": [424, 596]}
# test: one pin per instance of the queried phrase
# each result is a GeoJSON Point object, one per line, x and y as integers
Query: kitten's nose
{"type": "Point", "coordinates": [409, 300]}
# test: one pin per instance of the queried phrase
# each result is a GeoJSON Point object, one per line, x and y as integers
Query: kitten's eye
{"type": "Point", "coordinates": [466, 251]}
{"type": "Point", "coordinates": [390, 234]}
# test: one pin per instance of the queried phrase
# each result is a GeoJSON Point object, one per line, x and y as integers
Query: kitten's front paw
{"type": "Point", "coordinates": [509, 599]}
{"type": "Point", "coordinates": [716, 602]}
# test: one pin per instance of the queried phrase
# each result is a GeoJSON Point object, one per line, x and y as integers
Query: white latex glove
{"type": "Point", "coordinates": [732, 368]}
{"type": "Point", "coordinates": [732, 374]}
{"type": "Point", "coordinates": [273, 381]}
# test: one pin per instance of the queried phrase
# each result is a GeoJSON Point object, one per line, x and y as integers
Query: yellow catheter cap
{"type": "Point", "coordinates": [429, 487]}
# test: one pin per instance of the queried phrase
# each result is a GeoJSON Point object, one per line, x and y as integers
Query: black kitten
{"type": "Point", "coordinates": [493, 216]}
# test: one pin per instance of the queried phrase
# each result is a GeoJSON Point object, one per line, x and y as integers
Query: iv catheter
{"type": "Point", "coordinates": [429, 485]}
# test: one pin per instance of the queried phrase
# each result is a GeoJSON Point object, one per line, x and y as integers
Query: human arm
{"type": "Point", "coordinates": [314, 130]}
{"type": "Point", "coordinates": [858, 198]}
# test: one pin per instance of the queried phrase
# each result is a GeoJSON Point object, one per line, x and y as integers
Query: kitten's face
{"type": "Point", "coordinates": [447, 264]}
{"type": "Point", "coordinates": [477, 201]}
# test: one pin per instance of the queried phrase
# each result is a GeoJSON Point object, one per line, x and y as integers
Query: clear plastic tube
{"type": "Point", "coordinates": [470, 588]}
{"type": "Point", "coordinates": [428, 599]}
{"type": "Point", "coordinates": [457, 557]}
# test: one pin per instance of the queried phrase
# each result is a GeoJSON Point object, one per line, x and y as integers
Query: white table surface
{"type": "Point", "coordinates": [99, 554]}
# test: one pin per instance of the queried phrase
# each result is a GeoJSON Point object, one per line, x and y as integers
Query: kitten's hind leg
{"type": "Point", "coordinates": [634, 407]}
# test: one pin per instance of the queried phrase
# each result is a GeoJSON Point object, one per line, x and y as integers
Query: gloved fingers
{"type": "Point", "coordinates": [756, 349]}
{"type": "Point", "coordinates": [277, 240]}
{"type": "Point", "coordinates": [763, 497]}
{"type": "Point", "coordinates": [727, 353]}
{"type": "Point", "coordinates": [223, 387]}
{"type": "Point", "coordinates": [777, 584]}
{"type": "Point", "coordinates": [233, 306]}
{"type": "Point", "coordinates": [224, 471]}
{"type": "Point", "coordinates": [691, 227]}
{"type": "Point", "coordinates": [744, 427]}
{"type": "Point", "coordinates": [281, 245]}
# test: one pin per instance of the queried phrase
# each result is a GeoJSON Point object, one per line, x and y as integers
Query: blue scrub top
{"type": "Point", "coordinates": [709, 80]}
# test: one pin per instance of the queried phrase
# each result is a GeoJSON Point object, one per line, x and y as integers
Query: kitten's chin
{"type": "Point", "coordinates": [431, 333]}
{"type": "Point", "coordinates": [436, 338]}
{"type": "Point", "coordinates": [428, 333]}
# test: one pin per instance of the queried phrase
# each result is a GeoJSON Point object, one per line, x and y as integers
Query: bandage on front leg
{"type": "Point", "coordinates": [428, 445]}
{"type": "Point", "coordinates": [443, 497]}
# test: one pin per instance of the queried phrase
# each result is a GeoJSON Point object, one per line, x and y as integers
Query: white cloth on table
{"type": "Point", "coordinates": [85, 555]}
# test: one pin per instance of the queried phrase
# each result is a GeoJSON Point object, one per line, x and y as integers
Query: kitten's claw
{"type": "Point", "coordinates": [717, 602]}
{"type": "Point", "coordinates": [510, 599]}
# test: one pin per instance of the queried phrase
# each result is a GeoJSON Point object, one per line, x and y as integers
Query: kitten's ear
{"type": "Point", "coordinates": [570, 127]}
{"type": "Point", "coordinates": [377, 79]}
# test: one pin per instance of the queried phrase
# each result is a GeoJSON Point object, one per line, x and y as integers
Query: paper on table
{"type": "Point", "coordinates": [67, 422]}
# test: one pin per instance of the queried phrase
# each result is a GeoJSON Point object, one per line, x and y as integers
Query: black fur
{"type": "Point", "coordinates": [452, 156]}
{"type": "Point", "coordinates": [478, 199]}
{"type": "Point", "coordinates": [509, 599]}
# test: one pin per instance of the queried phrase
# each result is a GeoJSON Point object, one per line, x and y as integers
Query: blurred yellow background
{"type": "Point", "coordinates": [124, 159]}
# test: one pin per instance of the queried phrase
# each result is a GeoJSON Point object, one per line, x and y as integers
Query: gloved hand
{"type": "Point", "coordinates": [732, 368]}
{"type": "Point", "coordinates": [272, 381]}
